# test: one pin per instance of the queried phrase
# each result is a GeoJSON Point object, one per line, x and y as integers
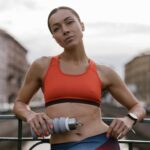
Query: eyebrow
{"type": "Point", "coordinates": [57, 24]}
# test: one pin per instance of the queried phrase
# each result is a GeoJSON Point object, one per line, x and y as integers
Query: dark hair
{"type": "Point", "coordinates": [58, 8]}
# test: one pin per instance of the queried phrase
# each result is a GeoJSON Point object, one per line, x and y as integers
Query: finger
{"type": "Point", "coordinates": [38, 127]}
{"type": "Point", "coordinates": [34, 129]}
{"type": "Point", "coordinates": [43, 126]}
{"type": "Point", "coordinates": [110, 129]}
{"type": "Point", "coordinates": [48, 122]}
{"type": "Point", "coordinates": [118, 128]}
{"type": "Point", "coordinates": [115, 132]}
{"type": "Point", "coordinates": [121, 128]}
{"type": "Point", "coordinates": [119, 136]}
{"type": "Point", "coordinates": [120, 133]}
{"type": "Point", "coordinates": [126, 130]}
{"type": "Point", "coordinates": [123, 133]}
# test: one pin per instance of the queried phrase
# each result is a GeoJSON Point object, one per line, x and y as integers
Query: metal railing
{"type": "Point", "coordinates": [19, 138]}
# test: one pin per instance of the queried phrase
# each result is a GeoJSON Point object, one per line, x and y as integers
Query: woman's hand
{"type": "Point", "coordinates": [120, 127]}
{"type": "Point", "coordinates": [40, 123]}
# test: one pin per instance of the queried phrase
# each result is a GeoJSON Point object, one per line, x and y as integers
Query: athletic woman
{"type": "Point", "coordinates": [72, 85]}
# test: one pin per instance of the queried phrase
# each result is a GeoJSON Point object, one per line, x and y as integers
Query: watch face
{"type": "Point", "coordinates": [133, 116]}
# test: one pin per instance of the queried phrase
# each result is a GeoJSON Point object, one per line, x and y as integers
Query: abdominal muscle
{"type": "Point", "coordinates": [88, 115]}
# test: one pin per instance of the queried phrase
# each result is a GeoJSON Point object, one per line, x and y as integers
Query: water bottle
{"type": "Point", "coordinates": [62, 124]}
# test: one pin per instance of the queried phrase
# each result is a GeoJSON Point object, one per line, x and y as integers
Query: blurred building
{"type": "Point", "coordinates": [137, 76]}
{"type": "Point", "coordinates": [13, 65]}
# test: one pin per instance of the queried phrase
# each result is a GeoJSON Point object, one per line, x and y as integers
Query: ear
{"type": "Point", "coordinates": [82, 26]}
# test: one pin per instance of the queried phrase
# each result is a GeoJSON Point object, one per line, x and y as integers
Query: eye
{"type": "Point", "coordinates": [69, 22]}
{"type": "Point", "coordinates": [55, 29]}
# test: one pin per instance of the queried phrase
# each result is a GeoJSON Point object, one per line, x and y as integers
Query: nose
{"type": "Point", "coordinates": [65, 30]}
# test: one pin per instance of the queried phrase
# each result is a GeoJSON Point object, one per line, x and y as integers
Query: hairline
{"type": "Point", "coordinates": [61, 8]}
{"type": "Point", "coordinates": [68, 17]}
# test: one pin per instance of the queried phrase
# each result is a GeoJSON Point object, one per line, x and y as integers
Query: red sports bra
{"type": "Point", "coordinates": [59, 87]}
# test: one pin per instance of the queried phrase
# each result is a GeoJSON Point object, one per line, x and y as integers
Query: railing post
{"type": "Point", "coordinates": [19, 134]}
{"type": "Point", "coordinates": [130, 146]}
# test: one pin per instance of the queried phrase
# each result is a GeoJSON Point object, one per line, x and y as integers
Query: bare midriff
{"type": "Point", "coordinates": [88, 115]}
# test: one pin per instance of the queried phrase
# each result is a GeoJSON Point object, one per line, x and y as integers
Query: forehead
{"type": "Point", "coordinates": [60, 15]}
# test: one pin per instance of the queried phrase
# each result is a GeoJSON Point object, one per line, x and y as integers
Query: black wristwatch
{"type": "Point", "coordinates": [133, 117]}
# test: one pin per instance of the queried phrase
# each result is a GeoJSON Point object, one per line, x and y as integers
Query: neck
{"type": "Point", "coordinates": [76, 54]}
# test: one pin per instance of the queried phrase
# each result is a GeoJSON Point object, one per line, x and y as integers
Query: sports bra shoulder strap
{"type": "Point", "coordinates": [93, 65]}
{"type": "Point", "coordinates": [54, 60]}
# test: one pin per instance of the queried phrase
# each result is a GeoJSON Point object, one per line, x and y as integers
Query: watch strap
{"type": "Point", "coordinates": [134, 118]}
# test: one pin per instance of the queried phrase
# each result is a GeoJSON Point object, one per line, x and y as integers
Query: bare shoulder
{"type": "Point", "coordinates": [40, 62]}
{"type": "Point", "coordinates": [39, 66]}
{"type": "Point", "coordinates": [105, 69]}
{"type": "Point", "coordinates": [106, 74]}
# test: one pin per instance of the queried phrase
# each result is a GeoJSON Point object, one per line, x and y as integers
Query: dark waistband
{"type": "Point", "coordinates": [70, 100]}
{"type": "Point", "coordinates": [96, 142]}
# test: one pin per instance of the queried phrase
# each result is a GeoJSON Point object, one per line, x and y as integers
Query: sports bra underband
{"type": "Point", "coordinates": [59, 87]}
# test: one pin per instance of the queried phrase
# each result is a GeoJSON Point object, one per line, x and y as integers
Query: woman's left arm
{"type": "Point", "coordinates": [119, 90]}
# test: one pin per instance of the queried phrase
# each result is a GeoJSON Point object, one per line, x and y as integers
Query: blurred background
{"type": "Point", "coordinates": [117, 33]}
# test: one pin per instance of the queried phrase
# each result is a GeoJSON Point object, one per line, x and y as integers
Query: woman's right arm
{"type": "Point", "coordinates": [30, 86]}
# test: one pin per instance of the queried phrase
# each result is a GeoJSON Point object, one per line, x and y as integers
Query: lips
{"type": "Point", "coordinates": [69, 39]}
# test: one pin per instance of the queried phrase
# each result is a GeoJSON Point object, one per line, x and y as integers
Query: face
{"type": "Point", "coordinates": [66, 28]}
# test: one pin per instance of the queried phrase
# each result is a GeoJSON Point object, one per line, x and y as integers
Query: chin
{"type": "Point", "coordinates": [71, 45]}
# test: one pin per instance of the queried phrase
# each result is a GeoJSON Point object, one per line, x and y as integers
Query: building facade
{"type": "Point", "coordinates": [137, 76]}
{"type": "Point", "coordinates": [13, 65]}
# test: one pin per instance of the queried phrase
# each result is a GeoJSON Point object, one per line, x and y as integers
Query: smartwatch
{"type": "Point", "coordinates": [133, 117]}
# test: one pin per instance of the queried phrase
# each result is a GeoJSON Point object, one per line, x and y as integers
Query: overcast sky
{"type": "Point", "coordinates": [115, 30]}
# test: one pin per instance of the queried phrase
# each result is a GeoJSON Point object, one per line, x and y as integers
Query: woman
{"type": "Point", "coordinates": [72, 85]}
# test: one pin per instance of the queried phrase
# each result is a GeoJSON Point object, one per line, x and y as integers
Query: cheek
{"type": "Point", "coordinates": [80, 33]}
{"type": "Point", "coordinates": [58, 39]}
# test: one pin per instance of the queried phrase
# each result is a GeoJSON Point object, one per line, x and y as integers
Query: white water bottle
{"type": "Point", "coordinates": [62, 124]}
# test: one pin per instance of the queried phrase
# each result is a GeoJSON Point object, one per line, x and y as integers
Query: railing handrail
{"type": "Point", "coordinates": [20, 138]}
{"type": "Point", "coordinates": [12, 116]}
{"type": "Point", "coordinates": [145, 120]}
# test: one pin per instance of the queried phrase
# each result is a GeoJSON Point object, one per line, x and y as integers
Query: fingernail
{"type": "Point", "coordinates": [38, 133]}
{"type": "Point", "coordinates": [51, 125]}
{"type": "Point", "coordinates": [47, 133]}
